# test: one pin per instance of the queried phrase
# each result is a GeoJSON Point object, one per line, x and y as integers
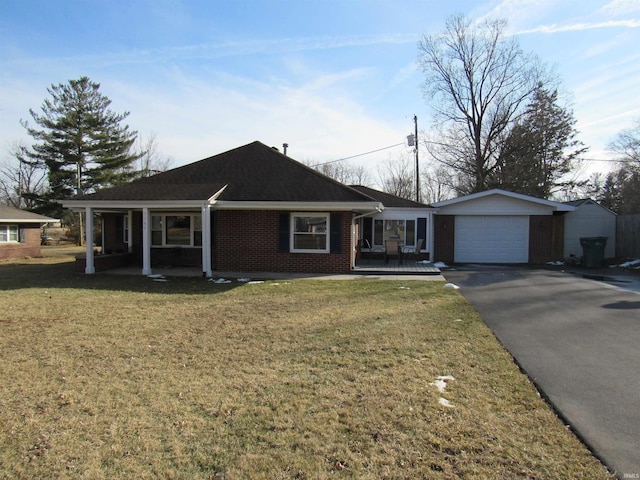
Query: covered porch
{"type": "Point", "coordinates": [149, 238]}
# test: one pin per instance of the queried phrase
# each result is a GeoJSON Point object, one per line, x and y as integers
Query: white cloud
{"type": "Point", "coordinates": [518, 12]}
{"type": "Point", "coordinates": [203, 116]}
{"type": "Point", "coordinates": [575, 27]}
{"type": "Point", "coordinates": [621, 7]}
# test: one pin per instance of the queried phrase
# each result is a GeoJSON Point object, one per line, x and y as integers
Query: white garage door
{"type": "Point", "coordinates": [492, 239]}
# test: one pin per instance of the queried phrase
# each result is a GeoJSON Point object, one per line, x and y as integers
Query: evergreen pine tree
{"type": "Point", "coordinates": [540, 150]}
{"type": "Point", "coordinates": [81, 142]}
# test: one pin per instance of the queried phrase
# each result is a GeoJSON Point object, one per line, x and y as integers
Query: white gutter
{"type": "Point", "coordinates": [373, 212]}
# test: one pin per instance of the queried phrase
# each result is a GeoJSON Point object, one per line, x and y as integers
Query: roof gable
{"type": "Point", "coordinates": [14, 215]}
{"type": "Point", "coordinates": [504, 194]}
{"type": "Point", "coordinates": [588, 201]}
{"type": "Point", "coordinates": [251, 173]}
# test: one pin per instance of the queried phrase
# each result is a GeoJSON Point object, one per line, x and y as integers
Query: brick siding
{"type": "Point", "coordinates": [29, 248]}
{"type": "Point", "coordinates": [540, 238]}
{"type": "Point", "coordinates": [248, 241]}
{"type": "Point", "coordinates": [444, 238]}
{"type": "Point", "coordinates": [113, 233]}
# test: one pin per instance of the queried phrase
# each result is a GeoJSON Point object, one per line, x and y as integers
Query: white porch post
{"type": "Point", "coordinates": [354, 242]}
{"type": "Point", "coordinates": [89, 265]}
{"type": "Point", "coordinates": [206, 240]}
{"type": "Point", "coordinates": [430, 235]}
{"type": "Point", "coordinates": [130, 231]}
{"type": "Point", "coordinates": [146, 241]}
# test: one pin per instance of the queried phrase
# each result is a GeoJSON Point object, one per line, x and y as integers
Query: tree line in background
{"type": "Point", "coordinates": [498, 123]}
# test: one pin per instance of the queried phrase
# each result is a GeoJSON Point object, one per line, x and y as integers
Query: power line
{"type": "Point", "coordinates": [614, 160]}
{"type": "Point", "coordinates": [359, 155]}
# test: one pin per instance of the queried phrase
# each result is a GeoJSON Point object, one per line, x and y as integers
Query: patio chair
{"type": "Point", "coordinates": [392, 250]}
{"type": "Point", "coordinates": [377, 250]}
{"type": "Point", "coordinates": [413, 250]}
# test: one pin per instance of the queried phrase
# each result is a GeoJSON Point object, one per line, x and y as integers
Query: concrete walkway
{"type": "Point", "coordinates": [360, 275]}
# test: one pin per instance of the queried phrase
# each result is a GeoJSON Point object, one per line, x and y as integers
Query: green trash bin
{"type": "Point", "coordinates": [593, 251]}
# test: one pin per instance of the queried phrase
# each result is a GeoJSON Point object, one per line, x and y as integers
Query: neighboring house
{"type": "Point", "coordinates": [497, 226]}
{"type": "Point", "coordinates": [251, 209]}
{"type": "Point", "coordinates": [589, 219]}
{"type": "Point", "coordinates": [403, 220]}
{"type": "Point", "coordinates": [20, 234]}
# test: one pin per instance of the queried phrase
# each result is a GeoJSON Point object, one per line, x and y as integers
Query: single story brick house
{"type": "Point", "coordinates": [254, 209]}
{"type": "Point", "coordinates": [20, 234]}
{"type": "Point", "coordinates": [497, 226]}
{"type": "Point", "coordinates": [250, 209]}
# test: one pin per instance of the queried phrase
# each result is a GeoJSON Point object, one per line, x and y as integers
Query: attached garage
{"type": "Point", "coordinates": [497, 226]}
{"type": "Point", "coordinates": [491, 239]}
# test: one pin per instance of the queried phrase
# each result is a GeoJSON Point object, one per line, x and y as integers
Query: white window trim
{"type": "Point", "coordinates": [7, 229]}
{"type": "Point", "coordinates": [396, 217]}
{"type": "Point", "coordinates": [292, 232]}
{"type": "Point", "coordinates": [164, 216]}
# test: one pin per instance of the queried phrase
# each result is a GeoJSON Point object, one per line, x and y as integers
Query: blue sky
{"type": "Point", "coordinates": [332, 78]}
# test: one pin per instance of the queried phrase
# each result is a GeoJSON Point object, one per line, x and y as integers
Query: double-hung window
{"type": "Point", "coordinates": [9, 233]}
{"type": "Point", "coordinates": [310, 232]}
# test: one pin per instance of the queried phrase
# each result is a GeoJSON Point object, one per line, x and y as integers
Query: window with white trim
{"type": "Point", "coordinates": [9, 233]}
{"type": "Point", "coordinates": [310, 232]}
{"type": "Point", "coordinates": [176, 230]}
{"type": "Point", "coordinates": [378, 231]}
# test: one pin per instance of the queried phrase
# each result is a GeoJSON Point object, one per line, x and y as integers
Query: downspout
{"type": "Point", "coordinates": [207, 243]}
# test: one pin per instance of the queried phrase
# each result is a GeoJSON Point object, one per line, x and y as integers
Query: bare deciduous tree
{"type": "Point", "coordinates": [22, 181]}
{"type": "Point", "coordinates": [398, 178]}
{"type": "Point", "coordinates": [151, 161]}
{"type": "Point", "coordinates": [621, 190]}
{"type": "Point", "coordinates": [436, 184]}
{"type": "Point", "coordinates": [477, 80]}
{"type": "Point", "coordinates": [347, 174]}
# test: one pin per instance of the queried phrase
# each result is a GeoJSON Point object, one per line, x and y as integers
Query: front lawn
{"type": "Point", "coordinates": [108, 377]}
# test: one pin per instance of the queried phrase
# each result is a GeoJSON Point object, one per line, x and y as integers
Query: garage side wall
{"type": "Point", "coordinates": [444, 238]}
{"type": "Point", "coordinates": [540, 238]}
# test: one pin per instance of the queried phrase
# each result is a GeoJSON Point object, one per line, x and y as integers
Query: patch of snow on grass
{"type": "Point", "coordinates": [451, 285]}
{"type": "Point", "coordinates": [219, 280]}
{"type": "Point", "coordinates": [635, 264]}
{"type": "Point", "coordinates": [445, 403]}
{"type": "Point", "coordinates": [441, 382]}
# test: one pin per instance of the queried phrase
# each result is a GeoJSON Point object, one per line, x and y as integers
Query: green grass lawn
{"type": "Point", "coordinates": [106, 376]}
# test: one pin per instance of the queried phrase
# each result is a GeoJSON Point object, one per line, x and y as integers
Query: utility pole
{"type": "Point", "coordinates": [415, 121]}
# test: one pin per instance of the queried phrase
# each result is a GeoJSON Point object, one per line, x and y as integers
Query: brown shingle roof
{"type": "Point", "coordinates": [11, 214]}
{"type": "Point", "coordinates": [254, 172]}
{"type": "Point", "coordinates": [387, 199]}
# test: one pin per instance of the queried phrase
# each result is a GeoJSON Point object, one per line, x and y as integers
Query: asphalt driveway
{"type": "Point", "coordinates": [578, 339]}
